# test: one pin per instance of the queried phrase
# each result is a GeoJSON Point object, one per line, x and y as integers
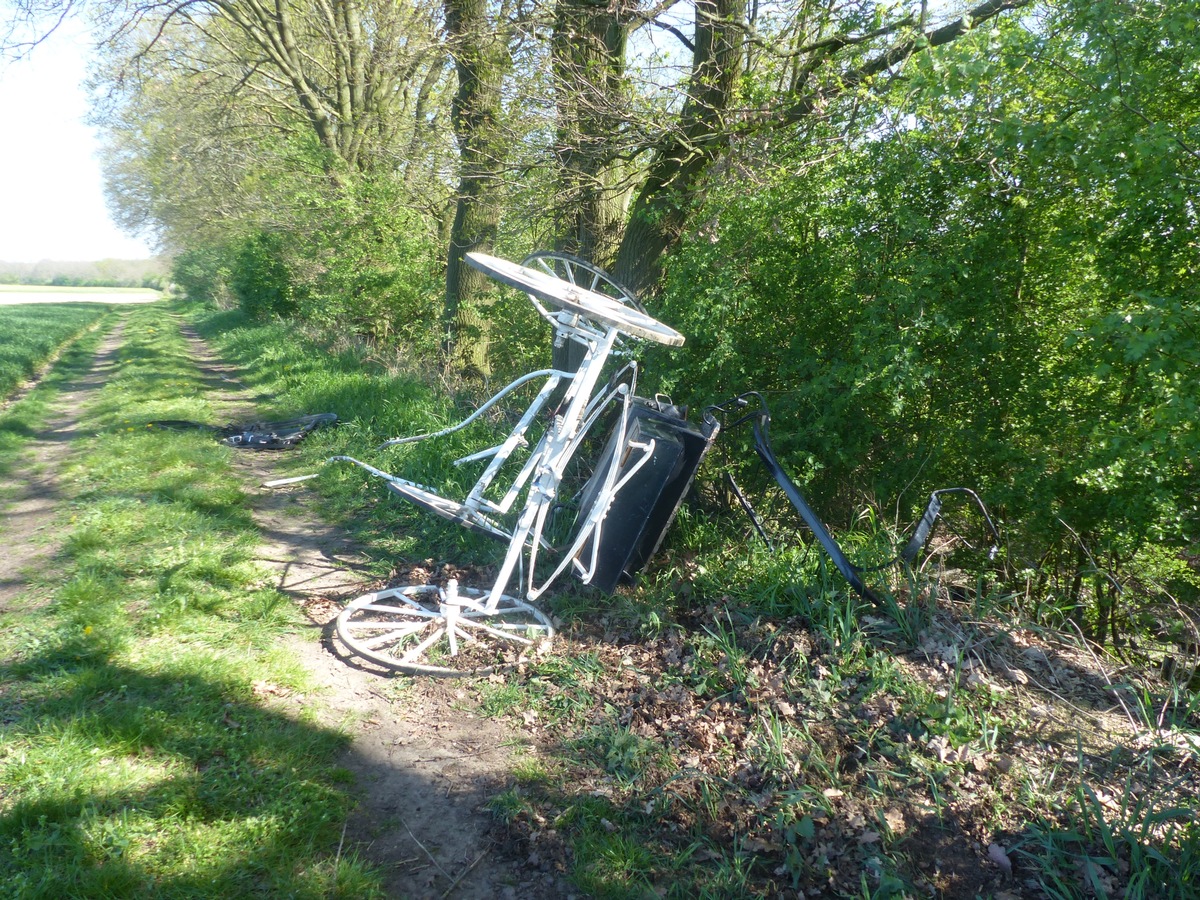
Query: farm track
{"type": "Point", "coordinates": [31, 493]}
{"type": "Point", "coordinates": [423, 762]}
{"type": "Point", "coordinates": [1053, 722]}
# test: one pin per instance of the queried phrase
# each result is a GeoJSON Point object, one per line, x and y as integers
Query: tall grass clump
{"type": "Point", "coordinates": [298, 372]}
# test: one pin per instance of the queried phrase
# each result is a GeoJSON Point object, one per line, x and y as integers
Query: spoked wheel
{"type": "Point", "coordinates": [425, 629]}
{"type": "Point", "coordinates": [569, 354]}
{"type": "Point", "coordinates": [580, 272]}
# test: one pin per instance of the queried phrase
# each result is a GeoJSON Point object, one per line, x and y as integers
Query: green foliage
{"type": "Point", "coordinates": [202, 273]}
{"type": "Point", "coordinates": [995, 287]}
{"type": "Point", "coordinates": [112, 273]}
{"type": "Point", "coordinates": [261, 279]}
{"type": "Point", "coordinates": [378, 272]}
{"type": "Point", "coordinates": [1155, 846]}
{"type": "Point", "coordinates": [358, 263]}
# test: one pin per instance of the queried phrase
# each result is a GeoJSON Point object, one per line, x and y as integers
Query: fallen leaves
{"type": "Point", "coordinates": [264, 689]}
{"type": "Point", "coordinates": [808, 764]}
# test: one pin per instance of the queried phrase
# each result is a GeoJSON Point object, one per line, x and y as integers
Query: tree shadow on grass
{"type": "Point", "coordinates": [121, 782]}
{"type": "Point", "coordinates": [183, 779]}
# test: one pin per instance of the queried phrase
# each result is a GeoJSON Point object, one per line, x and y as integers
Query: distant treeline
{"type": "Point", "coordinates": [144, 273]}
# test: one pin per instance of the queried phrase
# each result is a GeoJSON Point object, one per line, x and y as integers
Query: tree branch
{"type": "Point", "coordinates": [805, 105]}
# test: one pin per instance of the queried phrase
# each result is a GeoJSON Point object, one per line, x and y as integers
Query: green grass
{"type": "Point", "coordinates": [1120, 842]}
{"type": "Point", "coordinates": [30, 334]}
{"type": "Point", "coordinates": [145, 749]}
{"type": "Point", "coordinates": [373, 403]}
{"type": "Point", "coordinates": [71, 289]}
{"type": "Point", "coordinates": [20, 421]}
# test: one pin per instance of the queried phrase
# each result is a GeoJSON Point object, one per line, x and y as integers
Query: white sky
{"type": "Point", "coordinates": [51, 190]}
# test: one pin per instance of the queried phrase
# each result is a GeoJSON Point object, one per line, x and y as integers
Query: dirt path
{"type": "Point", "coordinates": [30, 495]}
{"type": "Point", "coordinates": [424, 762]}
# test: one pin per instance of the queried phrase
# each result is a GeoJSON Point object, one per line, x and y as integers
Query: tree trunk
{"type": "Point", "coordinates": [657, 219]}
{"type": "Point", "coordinates": [661, 208]}
{"type": "Point", "coordinates": [706, 127]}
{"type": "Point", "coordinates": [592, 96]}
{"type": "Point", "coordinates": [482, 60]}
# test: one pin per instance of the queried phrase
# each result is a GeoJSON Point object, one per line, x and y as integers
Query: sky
{"type": "Point", "coordinates": [51, 189]}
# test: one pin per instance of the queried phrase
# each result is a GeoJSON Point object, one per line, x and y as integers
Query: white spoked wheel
{"type": "Point", "coordinates": [580, 272]}
{"type": "Point", "coordinates": [545, 287]}
{"type": "Point", "coordinates": [426, 629]}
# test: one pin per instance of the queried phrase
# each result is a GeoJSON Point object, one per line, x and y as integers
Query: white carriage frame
{"type": "Point", "coordinates": [417, 619]}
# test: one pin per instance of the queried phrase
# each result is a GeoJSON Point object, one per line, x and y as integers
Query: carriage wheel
{"type": "Point", "coordinates": [426, 629]}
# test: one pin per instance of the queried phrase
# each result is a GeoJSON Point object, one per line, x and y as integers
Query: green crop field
{"type": "Point", "coordinates": [31, 334]}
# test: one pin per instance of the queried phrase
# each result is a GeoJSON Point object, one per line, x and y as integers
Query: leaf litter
{"type": "Point", "coordinates": [772, 753]}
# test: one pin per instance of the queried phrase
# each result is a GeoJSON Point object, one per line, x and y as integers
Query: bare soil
{"type": "Point", "coordinates": [30, 492]}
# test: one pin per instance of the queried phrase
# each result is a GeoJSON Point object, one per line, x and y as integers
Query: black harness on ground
{"type": "Point", "coordinates": [255, 435]}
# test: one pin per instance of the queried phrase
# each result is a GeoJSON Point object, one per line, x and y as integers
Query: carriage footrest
{"type": "Point", "coordinates": [470, 519]}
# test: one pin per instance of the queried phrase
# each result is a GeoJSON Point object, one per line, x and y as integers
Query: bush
{"type": "Point", "coordinates": [202, 273]}
{"type": "Point", "coordinates": [373, 268]}
{"type": "Point", "coordinates": [262, 279]}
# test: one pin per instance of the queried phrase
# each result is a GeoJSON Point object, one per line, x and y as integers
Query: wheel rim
{"type": "Point", "coordinates": [579, 271]}
{"type": "Point", "coordinates": [415, 629]}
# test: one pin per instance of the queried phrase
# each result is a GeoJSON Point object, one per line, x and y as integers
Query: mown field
{"type": "Point", "coordinates": [30, 335]}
